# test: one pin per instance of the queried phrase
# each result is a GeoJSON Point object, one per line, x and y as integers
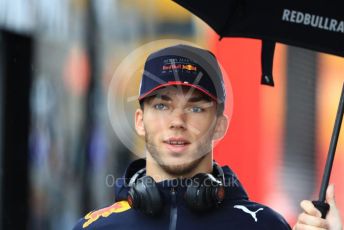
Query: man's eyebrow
{"type": "Point", "coordinates": [190, 100]}
{"type": "Point", "coordinates": [199, 98]}
{"type": "Point", "coordinates": [163, 97]}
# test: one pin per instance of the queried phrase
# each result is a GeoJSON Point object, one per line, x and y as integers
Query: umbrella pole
{"type": "Point", "coordinates": [320, 204]}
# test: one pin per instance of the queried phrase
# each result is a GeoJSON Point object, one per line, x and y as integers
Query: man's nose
{"type": "Point", "coordinates": [178, 117]}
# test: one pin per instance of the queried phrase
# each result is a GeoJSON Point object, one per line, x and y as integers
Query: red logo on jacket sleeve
{"type": "Point", "coordinates": [117, 207]}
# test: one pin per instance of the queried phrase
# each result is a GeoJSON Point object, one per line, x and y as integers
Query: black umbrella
{"type": "Point", "coordinates": [316, 25]}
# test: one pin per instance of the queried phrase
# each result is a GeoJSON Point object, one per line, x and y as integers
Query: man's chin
{"type": "Point", "coordinates": [180, 167]}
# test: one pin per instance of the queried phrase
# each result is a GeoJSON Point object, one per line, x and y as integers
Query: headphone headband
{"type": "Point", "coordinates": [218, 172]}
{"type": "Point", "coordinates": [136, 176]}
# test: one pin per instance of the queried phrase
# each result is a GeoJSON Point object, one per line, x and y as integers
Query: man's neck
{"type": "Point", "coordinates": [158, 173]}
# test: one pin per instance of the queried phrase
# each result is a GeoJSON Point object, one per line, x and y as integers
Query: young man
{"type": "Point", "coordinates": [179, 185]}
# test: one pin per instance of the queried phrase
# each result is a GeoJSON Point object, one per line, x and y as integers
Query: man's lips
{"type": "Point", "coordinates": [176, 144]}
{"type": "Point", "coordinates": [176, 141]}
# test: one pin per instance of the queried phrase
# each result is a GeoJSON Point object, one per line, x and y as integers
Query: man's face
{"type": "Point", "coordinates": [179, 125]}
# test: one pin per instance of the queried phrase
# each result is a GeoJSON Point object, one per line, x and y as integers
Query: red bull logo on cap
{"type": "Point", "coordinates": [179, 66]}
{"type": "Point", "coordinates": [190, 67]}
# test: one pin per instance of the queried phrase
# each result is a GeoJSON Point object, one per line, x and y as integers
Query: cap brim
{"type": "Point", "coordinates": [177, 83]}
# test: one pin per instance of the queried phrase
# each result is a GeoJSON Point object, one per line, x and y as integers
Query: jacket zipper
{"type": "Point", "coordinates": [173, 212]}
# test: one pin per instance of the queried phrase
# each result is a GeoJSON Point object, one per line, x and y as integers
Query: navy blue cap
{"type": "Point", "coordinates": [183, 65]}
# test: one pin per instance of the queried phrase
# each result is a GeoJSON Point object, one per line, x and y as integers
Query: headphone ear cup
{"type": "Point", "coordinates": [195, 195]}
{"type": "Point", "coordinates": [203, 192]}
{"type": "Point", "coordinates": [145, 196]}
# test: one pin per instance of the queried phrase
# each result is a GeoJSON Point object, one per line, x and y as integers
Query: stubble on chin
{"type": "Point", "coordinates": [179, 170]}
{"type": "Point", "coordinates": [175, 170]}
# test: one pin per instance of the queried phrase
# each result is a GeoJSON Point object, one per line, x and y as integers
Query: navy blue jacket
{"type": "Point", "coordinates": [236, 211]}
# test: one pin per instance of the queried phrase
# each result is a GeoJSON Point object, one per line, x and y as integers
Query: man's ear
{"type": "Point", "coordinates": [139, 126]}
{"type": "Point", "coordinates": [221, 127]}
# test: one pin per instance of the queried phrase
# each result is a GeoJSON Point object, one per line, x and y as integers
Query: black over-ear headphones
{"type": "Point", "coordinates": [203, 193]}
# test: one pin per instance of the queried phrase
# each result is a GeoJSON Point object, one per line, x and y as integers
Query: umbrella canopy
{"type": "Point", "coordinates": [316, 25]}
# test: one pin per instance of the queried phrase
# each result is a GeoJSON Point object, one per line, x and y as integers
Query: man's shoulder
{"type": "Point", "coordinates": [254, 213]}
{"type": "Point", "coordinates": [102, 217]}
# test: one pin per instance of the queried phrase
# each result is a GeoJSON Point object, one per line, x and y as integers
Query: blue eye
{"type": "Point", "coordinates": [160, 107]}
{"type": "Point", "coordinates": [196, 109]}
